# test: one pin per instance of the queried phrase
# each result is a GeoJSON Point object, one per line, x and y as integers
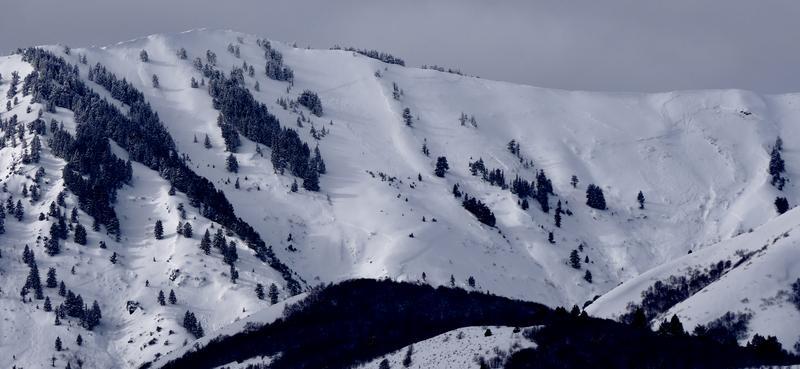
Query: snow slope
{"type": "Point", "coordinates": [458, 349]}
{"type": "Point", "coordinates": [758, 286]}
{"type": "Point", "coordinates": [700, 157]}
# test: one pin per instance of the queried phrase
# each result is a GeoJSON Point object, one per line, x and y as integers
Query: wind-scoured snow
{"type": "Point", "coordinates": [699, 157]}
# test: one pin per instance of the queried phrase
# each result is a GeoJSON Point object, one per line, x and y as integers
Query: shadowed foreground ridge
{"type": "Point", "coordinates": [342, 325]}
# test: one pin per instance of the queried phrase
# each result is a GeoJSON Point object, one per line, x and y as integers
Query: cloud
{"type": "Point", "coordinates": [617, 45]}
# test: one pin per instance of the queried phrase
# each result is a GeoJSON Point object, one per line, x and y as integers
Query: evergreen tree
{"type": "Point", "coordinates": [172, 298]}
{"type": "Point", "coordinates": [595, 198]}
{"type": "Point", "coordinates": [384, 364]}
{"type": "Point", "coordinates": [51, 281]}
{"type": "Point", "coordinates": [781, 204]}
{"type": "Point", "coordinates": [407, 118]}
{"type": "Point", "coordinates": [51, 246]}
{"type": "Point", "coordinates": [79, 340]}
{"type": "Point", "coordinates": [673, 327]}
{"type": "Point", "coordinates": [777, 165]}
{"type": "Point", "coordinates": [574, 259]}
{"type": "Point", "coordinates": [161, 299]}
{"type": "Point", "coordinates": [231, 164]}
{"type": "Point", "coordinates": [19, 211]}
{"type": "Point", "coordinates": [294, 188]}
{"type": "Point", "coordinates": [187, 230]}
{"type": "Point", "coordinates": [558, 214]}
{"type": "Point", "coordinates": [551, 237]}
{"type": "Point", "coordinates": [48, 306]}
{"type": "Point", "coordinates": [574, 181]}
{"type": "Point", "coordinates": [113, 258]}
{"type": "Point", "coordinates": [80, 234]}
{"type": "Point", "coordinates": [58, 345]}
{"type": "Point", "coordinates": [310, 100]}
{"type": "Point", "coordinates": [207, 142]}
{"type": "Point", "coordinates": [273, 294]}
{"type": "Point", "coordinates": [234, 274]}
{"type": "Point", "coordinates": [158, 230]}
{"type": "Point", "coordinates": [143, 56]}
{"type": "Point", "coordinates": [260, 291]}
{"type": "Point", "coordinates": [155, 81]}
{"type": "Point", "coordinates": [471, 281]}
{"type": "Point", "coordinates": [407, 360]}
{"type": "Point", "coordinates": [640, 200]}
{"type": "Point", "coordinates": [92, 316]}
{"type": "Point", "coordinates": [62, 289]}
{"type": "Point", "coordinates": [219, 241]}
{"type": "Point", "coordinates": [205, 243]}
{"type": "Point", "coordinates": [311, 182]}
{"type": "Point", "coordinates": [441, 166]}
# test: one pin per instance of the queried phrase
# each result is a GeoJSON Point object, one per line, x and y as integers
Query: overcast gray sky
{"type": "Point", "coordinates": [617, 45]}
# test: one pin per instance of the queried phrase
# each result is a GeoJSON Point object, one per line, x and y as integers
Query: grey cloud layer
{"type": "Point", "coordinates": [617, 45]}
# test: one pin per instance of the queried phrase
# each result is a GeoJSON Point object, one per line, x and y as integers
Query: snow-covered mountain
{"type": "Point", "coordinates": [700, 159]}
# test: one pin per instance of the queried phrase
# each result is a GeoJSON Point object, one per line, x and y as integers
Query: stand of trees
{"type": "Point", "coordinates": [374, 54]}
{"type": "Point", "coordinates": [250, 118]}
{"type": "Point", "coordinates": [94, 174]}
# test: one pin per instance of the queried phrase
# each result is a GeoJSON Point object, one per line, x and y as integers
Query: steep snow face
{"type": "Point", "coordinates": [759, 286]}
{"type": "Point", "coordinates": [700, 158]}
{"type": "Point", "coordinates": [144, 266]}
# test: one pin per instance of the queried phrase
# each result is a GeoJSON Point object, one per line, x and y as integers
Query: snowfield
{"type": "Point", "coordinates": [457, 349]}
{"type": "Point", "coordinates": [699, 157]}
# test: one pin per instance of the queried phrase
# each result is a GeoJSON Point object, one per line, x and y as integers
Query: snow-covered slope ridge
{"type": "Point", "coordinates": [699, 157]}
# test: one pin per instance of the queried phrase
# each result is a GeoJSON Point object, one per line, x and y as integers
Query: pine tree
{"type": "Point", "coordinates": [205, 243]}
{"type": "Point", "coordinates": [407, 360]}
{"type": "Point", "coordinates": [595, 198]}
{"type": "Point", "coordinates": [143, 56]}
{"type": "Point", "coordinates": [207, 142]}
{"type": "Point", "coordinates": [234, 274]}
{"type": "Point", "coordinates": [231, 164]}
{"type": "Point", "coordinates": [187, 230]}
{"type": "Point", "coordinates": [62, 289]}
{"type": "Point", "coordinates": [574, 259]}
{"type": "Point", "coordinates": [113, 258]}
{"type": "Point", "coordinates": [48, 306]}
{"type": "Point", "coordinates": [51, 281]}
{"type": "Point", "coordinates": [260, 291]}
{"type": "Point", "coordinates": [781, 204]}
{"type": "Point", "coordinates": [79, 340]}
{"type": "Point", "coordinates": [441, 166]}
{"type": "Point", "coordinates": [574, 181]}
{"type": "Point", "coordinates": [155, 81]}
{"type": "Point", "coordinates": [58, 345]}
{"type": "Point", "coordinates": [219, 241]}
{"type": "Point", "coordinates": [19, 211]}
{"type": "Point", "coordinates": [273, 294]}
{"type": "Point", "coordinates": [384, 364]}
{"type": "Point", "coordinates": [558, 214]}
{"type": "Point", "coordinates": [640, 200]}
{"type": "Point", "coordinates": [158, 231]}
{"type": "Point", "coordinates": [161, 300]}
{"type": "Point", "coordinates": [311, 182]}
{"type": "Point", "coordinates": [80, 234]}
{"type": "Point", "coordinates": [407, 118]}
{"type": "Point", "coordinates": [551, 237]}
{"type": "Point", "coordinates": [52, 246]}
{"type": "Point", "coordinates": [294, 188]}
{"type": "Point", "coordinates": [471, 281]}
{"type": "Point", "coordinates": [172, 298]}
